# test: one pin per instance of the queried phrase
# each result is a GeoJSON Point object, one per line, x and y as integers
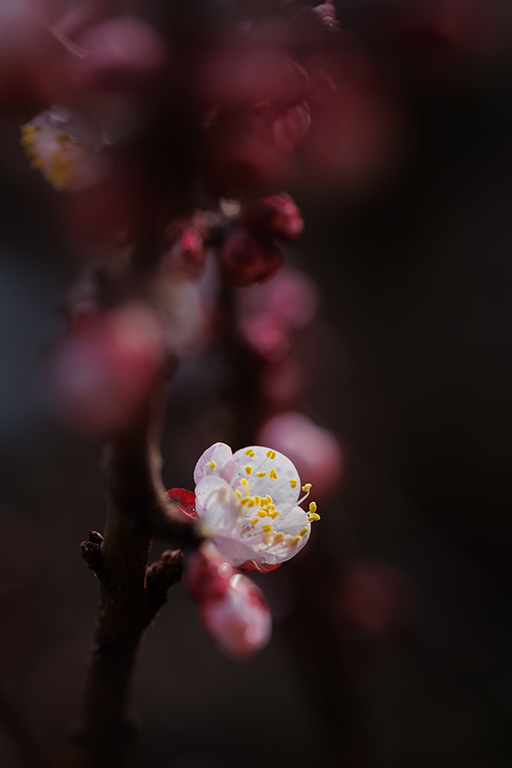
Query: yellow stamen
{"type": "Point", "coordinates": [303, 532]}
{"type": "Point", "coordinates": [61, 171]}
{"type": "Point", "coordinates": [212, 464]}
{"type": "Point", "coordinates": [249, 452]}
{"type": "Point", "coordinates": [262, 513]}
{"type": "Point", "coordinates": [260, 474]}
{"type": "Point", "coordinates": [268, 499]}
{"type": "Point", "coordinates": [313, 517]}
{"type": "Point", "coordinates": [278, 537]}
{"type": "Point", "coordinates": [267, 528]}
{"type": "Point", "coordinates": [271, 454]}
{"type": "Point", "coordinates": [273, 515]}
{"type": "Point", "coordinates": [273, 474]}
{"type": "Point", "coordinates": [306, 487]}
{"type": "Point", "coordinates": [239, 494]}
{"type": "Point", "coordinates": [293, 483]}
{"type": "Point", "coordinates": [257, 499]}
{"type": "Point", "coordinates": [248, 469]}
{"type": "Point", "coordinates": [312, 507]}
{"type": "Point", "coordinates": [254, 520]}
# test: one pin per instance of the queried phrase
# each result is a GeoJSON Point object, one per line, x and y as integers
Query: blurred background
{"type": "Point", "coordinates": [393, 629]}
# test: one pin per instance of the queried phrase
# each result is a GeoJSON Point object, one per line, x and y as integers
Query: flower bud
{"type": "Point", "coordinates": [239, 622]}
{"type": "Point", "coordinates": [277, 216]}
{"type": "Point", "coordinates": [247, 259]}
{"type": "Point", "coordinates": [184, 250]}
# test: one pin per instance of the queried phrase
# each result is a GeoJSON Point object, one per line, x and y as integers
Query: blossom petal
{"type": "Point", "coordinates": [218, 506]}
{"type": "Point", "coordinates": [224, 466]}
{"type": "Point", "coordinates": [281, 479]}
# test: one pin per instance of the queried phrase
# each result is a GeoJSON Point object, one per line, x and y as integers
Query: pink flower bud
{"type": "Point", "coordinates": [207, 573]}
{"type": "Point", "coordinates": [277, 216]}
{"type": "Point", "coordinates": [105, 370]}
{"type": "Point", "coordinates": [184, 250]}
{"type": "Point", "coordinates": [314, 450]}
{"type": "Point", "coordinates": [247, 259]}
{"type": "Point", "coordinates": [239, 621]}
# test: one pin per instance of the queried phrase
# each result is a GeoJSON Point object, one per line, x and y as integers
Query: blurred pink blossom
{"type": "Point", "coordinates": [315, 450]}
{"type": "Point", "coordinates": [105, 369]}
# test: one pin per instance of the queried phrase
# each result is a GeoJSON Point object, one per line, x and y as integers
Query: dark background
{"type": "Point", "coordinates": [410, 365]}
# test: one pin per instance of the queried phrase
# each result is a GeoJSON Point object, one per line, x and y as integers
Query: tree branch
{"type": "Point", "coordinates": [131, 594]}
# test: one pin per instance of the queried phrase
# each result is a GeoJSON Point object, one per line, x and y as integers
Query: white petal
{"type": "Point", "coordinates": [218, 506]}
{"type": "Point", "coordinates": [235, 550]}
{"type": "Point", "coordinates": [283, 493]}
{"type": "Point", "coordinates": [278, 552]}
{"type": "Point", "coordinates": [222, 455]}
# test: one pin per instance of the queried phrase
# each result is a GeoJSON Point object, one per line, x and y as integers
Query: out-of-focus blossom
{"type": "Point", "coordinates": [65, 151]}
{"type": "Point", "coordinates": [247, 259]}
{"type": "Point", "coordinates": [314, 449]}
{"type": "Point", "coordinates": [232, 609]}
{"type": "Point", "coordinates": [267, 335]}
{"type": "Point", "coordinates": [114, 212]}
{"type": "Point", "coordinates": [447, 41]}
{"type": "Point", "coordinates": [105, 370]}
{"type": "Point", "coordinates": [282, 382]}
{"type": "Point", "coordinates": [249, 504]}
{"type": "Point", "coordinates": [357, 130]}
{"type": "Point", "coordinates": [252, 96]}
{"type": "Point", "coordinates": [276, 216]}
{"type": "Point", "coordinates": [374, 597]}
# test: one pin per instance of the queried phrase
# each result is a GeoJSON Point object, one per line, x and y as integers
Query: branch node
{"type": "Point", "coordinates": [164, 573]}
{"type": "Point", "coordinates": [91, 553]}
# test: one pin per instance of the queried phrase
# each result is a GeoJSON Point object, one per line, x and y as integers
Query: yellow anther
{"type": "Point", "coordinates": [278, 538]}
{"type": "Point", "coordinates": [303, 532]}
{"type": "Point", "coordinates": [273, 474]}
{"type": "Point", "coordinates": [254, 520]}
{"type": "Point", "coordinates": [272, 507]}
{"type": "Point", "coordinates": [212, 464]}
{"type": "Point", "coordinates": [239, 494]}
{"type": "Point", "coordinates": [271, 454]}
{"type": "Point", "coordinates": [306, 487]}
{"type": "Point", "coordinates": [313, 517]}
{"type": "Point", "coordinates": [312, 506]}
{"type": "Point", "coordinates": [257, 499]}
{"type": "Point", "coordinates": [260, 474]}
{"type": "Point", "coordinates": [268, 499]}
{"type": "Point", "coordinates": [291, 542]}
{"type": "Point", "coordinates": [296, 538]}
{"type": "Point", "coordinates": [248, 469]}
{"type": "Point", "coordinates": [293, 483]}
{"type": "Point", "coordinates": [273, 515]}
{"type": "Point", "coordinates": [249, 452]}
{"type": "Point", "coordinates": [243, 481]}
{"type": "Point", "coordinates": [267, 528]}
{"type": "Point", "coordinates": [262, 513]}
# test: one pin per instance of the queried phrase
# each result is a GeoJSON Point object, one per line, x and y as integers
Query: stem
{"type": "Point", "coordinates": [128, 603]}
